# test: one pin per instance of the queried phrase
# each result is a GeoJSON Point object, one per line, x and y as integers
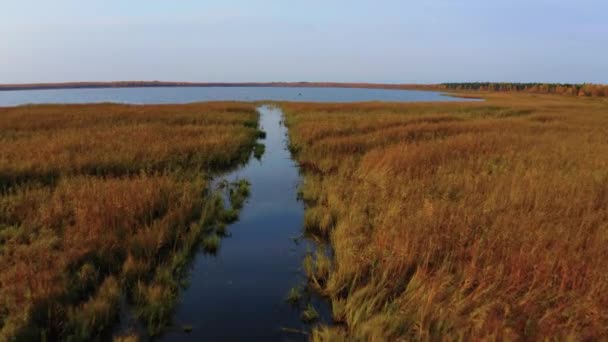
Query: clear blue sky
{"type": "Point", "coordinates": [307, 40]}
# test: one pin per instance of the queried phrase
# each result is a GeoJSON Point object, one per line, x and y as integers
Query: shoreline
{"type": "Point", "coordinates": [152, 84]}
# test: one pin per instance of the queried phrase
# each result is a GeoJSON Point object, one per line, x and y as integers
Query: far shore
{"type": "Point", "coordinates": [139, 84]}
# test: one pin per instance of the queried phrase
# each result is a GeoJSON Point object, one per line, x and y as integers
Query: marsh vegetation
{"type": "Point", "coordinates": [480, 220]}
{"type": "Point", "coordinates": [104, 202]}
{"type": "Point", "coordinates": [474, 220]}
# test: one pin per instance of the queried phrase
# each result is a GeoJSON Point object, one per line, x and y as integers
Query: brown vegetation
{"type": "Point", "coordinates": [459, 220]}
{"type": "Point", "coordinates": [102, 201]}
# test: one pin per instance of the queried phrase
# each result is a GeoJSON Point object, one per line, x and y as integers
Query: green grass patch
{"type": "Point", "coordinates": [211, 243]}
{"type": "Point", "coordinates": [238, 193]}
{"type": "Point", "coordinates": [258, 150]}
{"type": "Point", "coordinates": [294, 295]}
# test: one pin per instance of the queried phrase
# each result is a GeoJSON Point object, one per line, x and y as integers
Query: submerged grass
{"type": "Point", "coordinates": [261, 134]}
{"type": "Point", "coordinates": [238, 193]}
{"type": "Point", "coordinates": [480, 220]}
{"type": "Point", "coordinates": [309, 314]}
{"type": "Point", "coordinates": [211, 243]}
{"type": "Point", "coordinates": [294, 295]}
{"type": "Point", "coordinates": [99, 201]}
{"type": "Point", "coordinates": [258, 150]}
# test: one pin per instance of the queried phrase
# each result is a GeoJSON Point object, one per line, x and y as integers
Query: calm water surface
{"type": "Point", "coordinates": [239, 293]}
{"type": "Point", "coordinates": [196, 94]}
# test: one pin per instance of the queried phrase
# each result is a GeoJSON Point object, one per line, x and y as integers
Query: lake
{"type": "Point", "coordinates": [159, 95]}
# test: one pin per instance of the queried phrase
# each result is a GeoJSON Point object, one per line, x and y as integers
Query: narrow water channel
{"type": "Point", "coordinates": [239, 293]}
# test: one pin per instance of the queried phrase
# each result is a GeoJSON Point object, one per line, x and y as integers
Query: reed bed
{"type": "Point", "coordinates": [105, 203]}
{"type": "Point", "coordinates": [485, 220]}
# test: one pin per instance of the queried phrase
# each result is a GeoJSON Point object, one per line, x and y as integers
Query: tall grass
{"type": "Point", "coordinates": [460, 220]}
{"type": "Point", "coordinates": [101, 201]}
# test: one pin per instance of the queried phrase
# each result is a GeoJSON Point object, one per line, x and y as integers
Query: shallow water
{"type": "Point", "coordinates": [239, 293]}
{"type": "Point", "coordinates": [157, 95]}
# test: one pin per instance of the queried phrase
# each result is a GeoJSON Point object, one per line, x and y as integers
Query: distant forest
{"type": "Point", "coordinates": [587, 89]}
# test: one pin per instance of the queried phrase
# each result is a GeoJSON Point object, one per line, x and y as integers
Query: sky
{"type": "Point", "coordinates": [382, 41]}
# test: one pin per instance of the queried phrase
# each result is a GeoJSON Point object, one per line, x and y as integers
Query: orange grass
{"type": "Point", "coordinates": [459, 220]}
{"type": "Point", "coordinates": [44, 142]}
{"type": "Point", "coordinates": [99, 198]}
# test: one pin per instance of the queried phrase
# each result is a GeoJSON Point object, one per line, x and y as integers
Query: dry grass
{"type": "Point", "coordinates": [45, 142]}
{"type": "Point", "coordinates": [460, 220]}
{"type": "Point", "coordinates": [96, 199]}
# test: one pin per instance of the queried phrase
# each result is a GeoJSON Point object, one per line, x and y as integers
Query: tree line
{"type": "Point", "coordinates": [586, 89]}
